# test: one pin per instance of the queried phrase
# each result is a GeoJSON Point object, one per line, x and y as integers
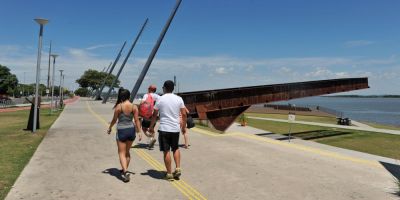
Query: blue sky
{"type": "Point", "coordinates": [211, 44]}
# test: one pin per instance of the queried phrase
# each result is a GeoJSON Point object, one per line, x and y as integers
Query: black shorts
{"type": "Point", "coordinates": [146, 123]}
{"type": "Point", "coordinates": [168, 140]}
{"type": "Point", "coordinates": [126, 134]}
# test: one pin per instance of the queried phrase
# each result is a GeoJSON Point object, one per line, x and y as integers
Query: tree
{"type": "Point", "coordinates": [93, 79]}
{"type": "Point", "coordinates": [83, 92]}
{"type": "Point", "coordinates": [8, 81]}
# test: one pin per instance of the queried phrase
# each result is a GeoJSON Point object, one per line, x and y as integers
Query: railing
{"type": "Point", "coordinates": [328, 110]}
{"type": "Point", "coordinates": [287, 107]}
{"type": "Point", "coordinates": [6, 103]}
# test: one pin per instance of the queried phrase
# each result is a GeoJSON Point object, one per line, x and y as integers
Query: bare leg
{"type": "Point", "coordinates": [167, 161]}
{"type": "Point", "coordinates": [144, 129]}
{"type": "Point", "coordinates": [186, 137]}
{"type": "Point", "coordinates": [128, 154]}
{"type": "Point", "coordinates": [177, 158]}
{"type": "Point", "coordinates": [122, 155]}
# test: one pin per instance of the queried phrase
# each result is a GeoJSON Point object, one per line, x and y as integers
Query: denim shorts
{"type": "Point", "coordinates": [126, 134]}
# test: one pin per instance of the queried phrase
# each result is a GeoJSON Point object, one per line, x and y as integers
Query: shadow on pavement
{"type": "Point", "coordinates": [154, 174]}
{"type": "Point", "coordinates": [115, 172]}
{"type": "Point", "coordinates": [317, 134]}
{"type": "Point", "coordinates": [392, 168]}
{"type": "Point", "coordinates": [395, 171]}
{"type": "Point", "coordinates": [286, 138]}
{"type": "Point", "coordinates": [262, 134]}
{"type": "Point", "coordinates": [141, 146]}
{"type": "Point", "coordinates": [183, 146]}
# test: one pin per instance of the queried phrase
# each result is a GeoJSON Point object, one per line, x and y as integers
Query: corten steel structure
{"type": "Point", "coordinates": [106, 70]}
{"type": "Point", "coordinates": [154, 51]}
{"type": "Point", "coordinates": [108, 67]}
{"type": "Point", "coordinates": [125, 60]}
{"type": "Point", "coordinates": [223, 106]}
{"type": "Point", "coordinates": [111, 70]}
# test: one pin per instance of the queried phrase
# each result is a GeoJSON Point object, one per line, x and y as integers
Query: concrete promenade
{"type": "Point", "coordinates": [78, 160]}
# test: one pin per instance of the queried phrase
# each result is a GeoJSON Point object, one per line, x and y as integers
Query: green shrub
{"type": "Point", "coordinates": [83, 92]}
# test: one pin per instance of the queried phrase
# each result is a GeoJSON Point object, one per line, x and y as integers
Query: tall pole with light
{"type": "Point", "coordinates": [41, 22]}
{"type": "Point", "coordinates": [52, 82]}
{"type": "Point", "coordinates": [59, 88]}
{"type": "Point", "coordinates": [23, 88]}
{"type": "Point", "coordinates": [48, 74]}
{"type": "Point", "coordinates": [62, 91]}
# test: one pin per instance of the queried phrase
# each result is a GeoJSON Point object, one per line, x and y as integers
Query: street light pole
{"type": "Point", "coordinates": [23, 88]}
{"type": "Point", "coordinates": [48, 74]}
{"type": "Point", "coordinates": [52, 82]}
{"type": "Point", "coordinates": [41, 22]}
{"type": "Point", "coordinates": [62, 91]}
{"type": "Point", "coordinates": [59, 87]}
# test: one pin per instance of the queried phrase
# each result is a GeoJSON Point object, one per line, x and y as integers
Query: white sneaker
{"type": "Point", "coordinates": [152, 142]}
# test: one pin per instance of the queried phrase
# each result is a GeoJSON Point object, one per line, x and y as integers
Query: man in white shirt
{"type": "Point", "coordinates": [146, 122]}
{"type": "Point", "coordinates": [170, 106]}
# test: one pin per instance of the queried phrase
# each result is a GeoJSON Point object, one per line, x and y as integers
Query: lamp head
{"type": "Point", "coordinates": [54, 56]}
{"type": "Point", "coordinates": [41, 21]}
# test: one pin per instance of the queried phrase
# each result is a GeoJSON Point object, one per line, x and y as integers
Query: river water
{"type": "Point", "coordinates": [376, 110]}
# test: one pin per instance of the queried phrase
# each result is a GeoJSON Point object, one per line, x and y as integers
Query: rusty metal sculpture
{"type": "Point", "coordinates": [154, 51]}
{"type": "Point", "coordinates": [123, 63]}
{"type": "Point", "coordinates": [98, 94]}
{"type": "Point", "coordinates": [221, 107]}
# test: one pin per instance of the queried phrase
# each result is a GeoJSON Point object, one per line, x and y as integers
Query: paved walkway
{"type": "Point", "coordinates": [359, 124]}
{"type": "Point", "coordinates": [78, 160]}
{"type": "Point", "coordinates": [362, 128]}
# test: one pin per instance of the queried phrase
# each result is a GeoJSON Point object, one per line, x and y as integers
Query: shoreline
{"type": "Point", "coordinates": [317, 113]}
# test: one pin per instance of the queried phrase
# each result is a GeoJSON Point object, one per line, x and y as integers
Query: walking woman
{"type": "Point", "coordinates": [125, 112]}
{"type": "Point", "coordinates": [185, 135]}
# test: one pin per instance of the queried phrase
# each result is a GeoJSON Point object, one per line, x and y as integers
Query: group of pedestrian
{"type": "Point", "coordinates": [172, 114]}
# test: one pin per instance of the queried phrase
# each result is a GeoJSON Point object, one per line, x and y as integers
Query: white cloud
{"type": "Point", "coordinates": [249, 68]}
{"type": "Point", "coordinates": [221, 70]}
{"type": "Point", "coordinates": [342, 74]}
{"type": "Point", "coordinates": [100, 46]}
{"type": "Point", "coordinates": [285, 70]}
{"type": "Point", "coordinates": [79, 53]}
{"type": "Point", "coordinates": [358, 43]}
{"type": "Point", "coordinates": [320, 72]}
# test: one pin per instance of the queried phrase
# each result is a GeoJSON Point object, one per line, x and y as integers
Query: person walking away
{"type": "Point", "coordinates": [146, 112]}
{"type": "Point", "coordinates": [125, 112]}
{"type": "Point", "coordinates": [169, 106]}
{"type": "Point", "coordinates": [185, 135]}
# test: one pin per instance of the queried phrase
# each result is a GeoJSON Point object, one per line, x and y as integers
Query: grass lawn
{"type": "Point", "coordinates": [369, 142]}
{"type": "Point", "coordinates": [306, 118]}
{"type": "Point", "coordinates": [205, 127]}
{"type": "Point", "coordinates": [17, 146]}
{"type": "Point", "coordinates": [382, 126]}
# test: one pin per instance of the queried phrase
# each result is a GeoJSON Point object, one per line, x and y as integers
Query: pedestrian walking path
{"type": "Point", "coordinates": [359, 124]}
{"type": "Point", "coordinates": [362, 128]}
{"type": "Point", "coordinates": [78, 160]}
